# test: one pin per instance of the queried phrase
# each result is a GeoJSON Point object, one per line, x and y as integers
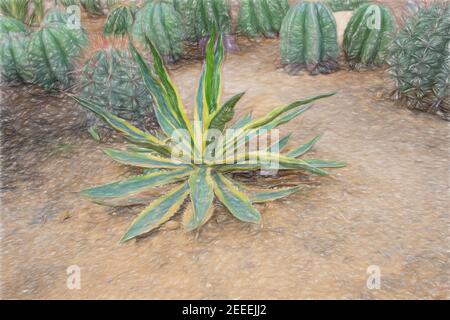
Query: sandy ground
{"type": "Point", "coordinates": [389, 207]}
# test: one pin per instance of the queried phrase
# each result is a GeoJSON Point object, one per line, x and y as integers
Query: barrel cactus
{"type": "Point", "coordinates": [111, 79]}
{"type": "Point", "coordinates": [120, 19]}
{"type": "Point", "coordinates": [344, 5]}
{"type": "Point", "coordinates": [67, 3]}
{"type": "Point", "coordinates": [161, 23]}
{"type": "Point", "coordinates": [53, 52]}
{"type": "Point", "coordinates": [309, 39]}
{"type": "Point", "coordinates": [200, 15]}
{"type": "Point", "coordinates": [261, 17]}
{"type": "Point", "coordinates": [14, 65]}
{"type": "Point", "coordinates": [420, 60]}
{"type": "Point", "coordinates": [368, 36]}
{"type": "Point", "coordinates": [92, 7]}
{"type": "Point", "coordinates": [11, 25]}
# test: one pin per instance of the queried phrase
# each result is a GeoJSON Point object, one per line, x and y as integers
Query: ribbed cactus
{"type": "Point", "coordinates": [14, 39]}
{"type": "Point", "coordinates": [205, 13]}
{"type": "Point", "coordinates": [368, 36]}
{"type": "Point", "coordinates": [261, 17]}
{"type": "Point", "coordinates": [92, 7]}
{"type": "Point", "coordinates": [111, 79]}
{"type": "Point", "coordinates": [161, 23]}
{"type": "Point", "coordinates": [344, 5]}
{"type": "Point", "coordinates": [120, 19]}
{"type": "Point", "coordinates": [11, 25]}
{"type": "Point", "coordinates": [66, 3]}
{"type": "Point", "coordinates": [53, 52]}
{"type": "Point", "coordinates": [27, 11]}
{"type": "Point", "coordinates": [309, 39]}
{"type": "Point", "coordinates": [420, 60]}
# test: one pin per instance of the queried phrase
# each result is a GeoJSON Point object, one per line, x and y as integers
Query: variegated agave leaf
{"type": "Point", "coordinates": [194, 176]}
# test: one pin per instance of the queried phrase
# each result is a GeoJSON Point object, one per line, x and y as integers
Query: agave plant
{"type": "Point", "coordinates": [186, 165]}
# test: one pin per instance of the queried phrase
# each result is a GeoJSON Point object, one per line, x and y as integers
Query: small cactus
{"type": "Point", "coordinates": [161, 23]}
{"type": "Point", "coordinates": [420, 60]}
{"type": "Point", "coordinates": [120, 19]}
{"type": "Point", "coordinates": [111, 79]}
{"type": "Point", "coordinates": [344, 5]}
{"type": "Point", "coordinates": [14, 66]}
{"type": "Point", "coordinates": [368, 36]}
{"type": "Point", "coordinates": [309, 39]}
{"type": "Point", "coordinates": [261, 17]}
{"type": "Point", "coordinates": [53, 52]}
{"type": "Point", "coordinates": [92, 7]}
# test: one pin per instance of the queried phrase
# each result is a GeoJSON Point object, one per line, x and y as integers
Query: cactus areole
{"type": "Point", "coordinates": [368, 36]}
{"type": "Point", "coordinates": [309, 39]}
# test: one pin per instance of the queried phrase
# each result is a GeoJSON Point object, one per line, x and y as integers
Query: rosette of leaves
{"type": "Point", "coordinates": [120, 19]}
{"type": "Point", "coordinates": [368, 36]}
{"type": "Point", "coordinates": [14, 65]}
{"type": "Point", "coordinates": [53, 52]}
{"type": "Point", "coordinates": [344, 5]}
{"type": "Point", "coordinates": [261, 17]}
{"type": "Point", "coordinates": [161, 23]}
{"type": "Point", "coordinates": [92, 7]}
{"type": "Point", "coordinates": [420, 60]}
{"type": "Point", "coordinates": [111, 79]}
{"type": "Point", "coordinates": [309, 39]}
{"type": "Point", "coordinates": [186, 166]}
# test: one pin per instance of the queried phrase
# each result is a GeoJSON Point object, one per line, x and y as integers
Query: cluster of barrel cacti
{"type": "Point", "coordinates": [46, 56]}
{"type": "Point", "coordinates": [420, 60]}
{"type": "Point", "coordinates": [111, 79]}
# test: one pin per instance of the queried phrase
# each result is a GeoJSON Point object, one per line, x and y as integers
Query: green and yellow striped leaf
{"type": "Point", "coordinates": [158, 212]}
{"type": "Point", "coordinates": [272, 115]}
{"type": "Point", "coordinates": [125, 128]}
{"type": "Point", "coordinates": [201, 188]}
{"type": "Point", "coordinates": [136, 184]}
{"type": "Point", "coordinates": [145, 160]}
{"type": "Point", "coordinates": [222, 116]}
{"type": "Point", "coordinates": [236, 201]}
{"type": "Point", "coordinates": [297, 152]}
{"type": "Point", "coordinates": [325, 163]}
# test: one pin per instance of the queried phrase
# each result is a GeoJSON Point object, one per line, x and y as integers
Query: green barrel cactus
{"type": "Point", "coordinates": [53, 52]}
{"type": "Point", "coordinates": [92, 7]}
{"type": "Point", "coordinates": [111, 79]}
{"type": "Point", "coordinates": [309, 39]}
{"type": "Point", "coordinates": [344, 5]}
{"type": "Point", "coordinates": [14, 65]}
{"type": "Point", "coordinates": [261, 17]}
{"type": "Point", "coordinates": [161, 23]}
{"type": "Point", "coordinates": [67, 3]}
{"type": "Point", "coordinates": [11, 25]}
{"type": "Point", "coordinates": [120, 19]}
{"type": "Point", "coordinates": [199, 16]}
{"type": "Point", "coordinates": [368, 36]}
{"type": "Point", "coordinates": [420, 60]}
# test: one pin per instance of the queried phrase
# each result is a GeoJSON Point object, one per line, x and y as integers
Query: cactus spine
{"type": "Point", "coordinates": [111, 79]}
{"type": "Point", "coordinates": [420, 60]}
